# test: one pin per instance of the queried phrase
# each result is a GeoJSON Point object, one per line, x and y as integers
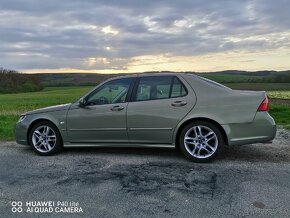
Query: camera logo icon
{"type": "Point", "coordinates": [16, 206]}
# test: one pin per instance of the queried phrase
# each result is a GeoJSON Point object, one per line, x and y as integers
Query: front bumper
{"type": "Point", "coordinates": [21, 133]}
{"type": "Point", "coordinates": [261, 130]}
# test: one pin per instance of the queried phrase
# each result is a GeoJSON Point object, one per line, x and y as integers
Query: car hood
{"type": "Point", "coordinates": [49, 109]}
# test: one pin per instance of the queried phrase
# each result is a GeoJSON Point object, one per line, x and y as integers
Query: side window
{"type": "Point", "coordinates": [150, 88]}
{"type": "Point", "coordinates": [159, 87]}
{"type": "Point", "coordinates": [178, 89]}
{"type": "Point", "coordinates": [111, 92]}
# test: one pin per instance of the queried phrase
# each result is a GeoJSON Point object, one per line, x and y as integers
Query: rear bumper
{"type": "Point", "coordinates": [261, 130]}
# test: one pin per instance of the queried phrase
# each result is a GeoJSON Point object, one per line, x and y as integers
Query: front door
{"type": "Point", "coordinates": [103, 118]}
{"type": "Point", "coordinates": [159, 104]}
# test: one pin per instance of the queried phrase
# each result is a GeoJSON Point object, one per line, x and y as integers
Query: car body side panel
{"type": "Point", "coordinates": [235, 111]}
{"type": "Point", "coordinates": [262, 129]}
{"type": "Point", "coordinates": [58, 118]}
{"type": "Point", "coordinates": [97, 124]}
{"type": "Point", "coordinates": [229, 106]}
{"type": "Point", "coordinates": [154, 121]}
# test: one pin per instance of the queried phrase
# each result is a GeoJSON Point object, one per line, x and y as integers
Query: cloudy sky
{"type": "Point", "coordinates": [134, 36]}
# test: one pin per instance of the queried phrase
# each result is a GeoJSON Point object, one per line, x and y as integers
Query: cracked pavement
{"type": "Point", "coordinates": [245, 181]}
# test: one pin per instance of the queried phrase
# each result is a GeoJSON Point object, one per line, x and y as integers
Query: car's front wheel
{"type": "Point", "coordinates": [45, 138]}
{"type": "Point", "coordinates": [201, 141]}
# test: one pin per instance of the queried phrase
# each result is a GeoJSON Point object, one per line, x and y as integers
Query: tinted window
{"type": "Point", "coordinates": [111, 92]}
{"type": "Point", "coordinates": [159, 87]}
{"type": "Point", "coordinates": [178, 89]}
{"type": "Point", "coordinates": [151, 88]}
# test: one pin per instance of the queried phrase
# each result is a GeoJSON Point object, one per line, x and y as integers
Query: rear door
{"type": "Point", "coordinates": [158, 104]}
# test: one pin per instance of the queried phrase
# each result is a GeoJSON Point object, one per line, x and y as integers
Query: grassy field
{"type": "Point", "coordinates": [260, 86]}
{"type": "Point", "coordinates": [12, 105]}
{"type": "Point", "coordinates": [15, 104]}
{"type": "Point", "coordinates": [279, 94]}
{"type": "Point", "coordinates": [232, 79]}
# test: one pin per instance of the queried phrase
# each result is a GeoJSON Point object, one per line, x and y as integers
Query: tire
{"type": "Point", "coordinates": [45, 138]}
{"type": "Point", "coordinates": [201, 141]}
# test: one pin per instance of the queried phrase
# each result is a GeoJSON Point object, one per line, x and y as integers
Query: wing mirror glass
{"type": "Point", "coordinates": [82, 102]}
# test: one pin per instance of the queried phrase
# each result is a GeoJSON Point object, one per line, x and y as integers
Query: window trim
{"type": "Point", "coordinates": [182, 84]}
{"type": "Point", "coordinates": [137, 82]}
{"type": "Point", "coordinates": [98, 88]}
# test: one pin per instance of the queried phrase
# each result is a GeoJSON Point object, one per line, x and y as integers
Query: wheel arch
{"type": "Point", "coordinates": [34, 122]}
{"type": "Point", "coordinates": [181, 126]}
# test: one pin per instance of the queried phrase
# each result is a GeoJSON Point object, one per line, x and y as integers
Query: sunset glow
{"type": "Point", "coordinates": [128, 37]}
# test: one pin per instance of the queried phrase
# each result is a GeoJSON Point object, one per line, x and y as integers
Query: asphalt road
{"type": "Point", "coordinates": [246, 181]}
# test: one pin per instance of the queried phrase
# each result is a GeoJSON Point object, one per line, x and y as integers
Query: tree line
{"type": "Point", "coordinates": [12, 81]}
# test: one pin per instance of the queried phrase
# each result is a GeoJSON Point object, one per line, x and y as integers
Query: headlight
{"type": "Point", "coordinates": [22, 117]}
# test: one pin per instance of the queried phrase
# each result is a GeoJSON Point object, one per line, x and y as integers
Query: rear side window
{"type": "Point", "coordinates": [159, 87]}
{"type": "Point", "coordinates": [178, 88]}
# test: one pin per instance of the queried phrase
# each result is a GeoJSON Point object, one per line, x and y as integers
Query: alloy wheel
{"type": "Point", "coordinates": [44, 139]}
{"type": "Point", "coordinates": [201, 141]}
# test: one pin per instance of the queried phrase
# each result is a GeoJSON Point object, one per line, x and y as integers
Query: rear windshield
{"type": "Point", "coordinates": [214, 83]}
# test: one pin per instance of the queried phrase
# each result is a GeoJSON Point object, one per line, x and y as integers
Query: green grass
{"type": "Point", "coordinates": [260, 86]}
{"type": "Point", "coordinates": [15, 104]}
{"type": "Point", "coordinates": [279, 94]}
{"type": "Point", "coordinates": [281, 113]}
{"type": "Point", "coordinates": [232, 79]}
{"type": "Point", "coordinates": [12, 105]}
{"type": "Point", "coordinates": [7, 126]}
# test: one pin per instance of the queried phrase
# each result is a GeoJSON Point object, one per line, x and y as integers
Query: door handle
{"type": "Point", "coordinates": [117, 108]}
{"type": "Point", "coordinates": [178, 103]}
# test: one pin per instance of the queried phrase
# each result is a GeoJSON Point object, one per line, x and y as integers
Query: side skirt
{"type": "Point", "coordinates": [117, 145]}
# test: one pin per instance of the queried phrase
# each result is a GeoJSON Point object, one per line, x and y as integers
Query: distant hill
{"type": "Point", "coordinates": [229, 76]}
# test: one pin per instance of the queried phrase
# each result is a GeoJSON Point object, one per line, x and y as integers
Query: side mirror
{"type": "Point", "coordinates": [82, 102]}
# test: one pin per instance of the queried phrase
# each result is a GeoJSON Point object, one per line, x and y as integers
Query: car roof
{"type": "Point", "coordinates": [150, 74]}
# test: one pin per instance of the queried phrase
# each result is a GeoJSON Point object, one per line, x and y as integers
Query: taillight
{"type": "Point", "coordinates": [264, 106]}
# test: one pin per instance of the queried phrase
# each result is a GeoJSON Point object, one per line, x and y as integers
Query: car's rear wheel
{"type": "Point", "coordinates": [45, 138]}
{"type": "Point", "coordinates": [201, 141]}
